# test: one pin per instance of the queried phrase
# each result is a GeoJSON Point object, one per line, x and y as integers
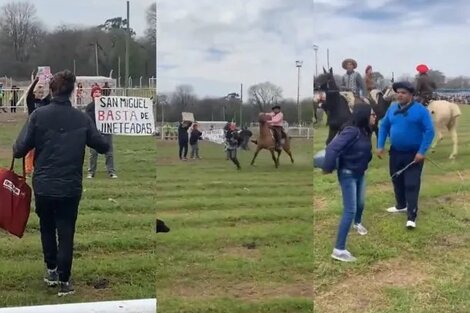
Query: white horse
{"type": "Point", "coordinates": [445, 115]}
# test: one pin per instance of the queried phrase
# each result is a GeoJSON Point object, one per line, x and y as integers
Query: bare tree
{"type": "Point", "coordinates": [151, 17]}
{"type": "Point", "coordinates": [183, 98]}
{"type": "Point", "coordinates": [20, 27]}
{"type": "Point", "coordinates": [264, 95]}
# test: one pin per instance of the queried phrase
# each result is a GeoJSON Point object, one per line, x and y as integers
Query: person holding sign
{"type": "Point", "coordinates": [38, 95]}
{"type": "Point", "coordinates": [90, 110]}
{"type": "Point", "coordinates": [59, 134]}
{"type": "Point", "coordinates": [183, 139]}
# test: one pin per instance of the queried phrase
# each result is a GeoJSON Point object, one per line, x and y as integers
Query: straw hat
{"type": "Point", "coordinates": [345, 62]}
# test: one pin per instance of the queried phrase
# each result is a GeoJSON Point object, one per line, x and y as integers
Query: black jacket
{"type": "Point", "coordinates": [34, 103]}
{"type": "Point", "coordinates": [195, 136]}
{"type": "Point", "coordinates": [59, 133]}
{"type": "Point", "coordinates": [425, 86]}
{"type": "Point", "coordinates": [183, 132]}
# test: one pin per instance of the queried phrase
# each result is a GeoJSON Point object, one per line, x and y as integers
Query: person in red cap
{"type": "Point", "coordinates": [90, 110]}
{"type": "Point", "coordinates": [425, 86]}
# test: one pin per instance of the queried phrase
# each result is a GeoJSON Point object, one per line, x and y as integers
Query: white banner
{"type": "Point", "coordinates": [130, 116]}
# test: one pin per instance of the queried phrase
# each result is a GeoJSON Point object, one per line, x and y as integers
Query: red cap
{"type": "Point", "coordinates": [95, 88]}
{"type": "Point", "coordinates": [422, 68]}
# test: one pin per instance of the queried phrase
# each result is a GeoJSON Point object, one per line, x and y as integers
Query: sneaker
{"type": "Point", "coordinates": [342, 255]}
{"type": "Point", "coordinates": [90, 176]}
{"type": "Point", "coordinates": [65, 289]}
{"type": "Point", "coordinates": [360, 229]}
{"type": "Point", "coordinates": [395, 210]}
{"type": "Point", "coordinates": [51, 278]}
{"type": "Point", "coordinates": [410, 225]}
{"type": "Point", "coordinates": [113, 176]}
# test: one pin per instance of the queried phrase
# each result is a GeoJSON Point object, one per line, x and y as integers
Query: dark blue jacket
{"type": "Point", "coordinates": [59, 133]}
{"type": "Point", "coordinates": [352, 156]}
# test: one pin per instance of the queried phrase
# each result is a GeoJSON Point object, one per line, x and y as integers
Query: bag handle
{"type": "Point", "coordinates": [13, 165]}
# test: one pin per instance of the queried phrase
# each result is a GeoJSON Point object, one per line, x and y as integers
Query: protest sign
{"type": "Point", "coordinates": [44, 74]}
{"type": "Point", "coordinates": [131, 116]}
{"type": "Point", "coordinates": [187, 117]}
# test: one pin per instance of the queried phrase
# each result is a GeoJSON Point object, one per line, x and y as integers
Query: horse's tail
{"type": "Point", "coordinates": [254, 141]}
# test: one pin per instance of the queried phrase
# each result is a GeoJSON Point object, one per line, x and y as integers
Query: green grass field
{"type": "Point", "coordinates": [239, 241]}
{"type": "Point", "coordinates": [420, 271]}
{"type": "Point", "coordinates": [115, 237]}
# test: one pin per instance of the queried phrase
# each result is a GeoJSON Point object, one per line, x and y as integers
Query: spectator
{"type": "Point", "coordinates": [194, 138]}
{"type": "Point", "coordinates": [59, 133]}
{"type": "Point", "coordinates": [410, 128]}
{"type": "Point", "coordinates": [109, 155]}
{"type": "Point", "coordinates": [183, 139]}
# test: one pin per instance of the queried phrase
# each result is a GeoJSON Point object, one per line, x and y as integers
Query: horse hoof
{"type": "Point", "coordinates": [452, 157]}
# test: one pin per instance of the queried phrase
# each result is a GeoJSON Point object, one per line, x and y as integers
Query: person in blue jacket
{"type": "Point", "coordinates": [409, 125]}
{"type": "Point", "coordinates": [351, 152]}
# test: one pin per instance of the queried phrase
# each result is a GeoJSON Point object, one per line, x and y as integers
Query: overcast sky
{"type": "Point", "coordinates": [395, 35]}
{"type": "Point", "coordinates": [216, 45]}
{"type": "Point", "coordinates": [90, 13]}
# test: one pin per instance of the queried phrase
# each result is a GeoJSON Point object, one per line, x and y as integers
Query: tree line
{"type": "Point", "coordinates": [25, 44]}
{"type": "Point", "coordinates": [260, 98]}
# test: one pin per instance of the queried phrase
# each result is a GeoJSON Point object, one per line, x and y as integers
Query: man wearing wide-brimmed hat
{"type": "Point", "coordinates": [425, 86]}
{"type": "Point", "coordinates": [352, 80]}
{"type": "Point", "coordinates": [276, 122]}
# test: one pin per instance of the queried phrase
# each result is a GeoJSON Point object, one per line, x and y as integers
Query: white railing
{"type": "Point", "coordinates": [125, 306]}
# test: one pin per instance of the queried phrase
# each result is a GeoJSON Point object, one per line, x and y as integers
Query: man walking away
{"type": "Point", "coordinates": [410, 128]}
{"type": "Point", "coordinates": [59, 133]}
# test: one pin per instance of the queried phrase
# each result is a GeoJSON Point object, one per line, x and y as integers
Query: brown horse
{"type": "Point", "coordinates": [266, 141]}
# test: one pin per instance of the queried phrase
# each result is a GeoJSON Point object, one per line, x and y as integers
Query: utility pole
{"type": "Point", "coordinates": [74, 67]}
{"type": "Point", "coordinates": [298, 64]}
{"type": "Point", "coordinates": [96, 59]}
{"type": "Point", "coordinates": [241, 105]}
{"type": "Point", "coordinates": [328, 58]}
{"type": "Point", "coordinates": [119, 71]}
{"type": "Point", "coordinates": [127, 49]}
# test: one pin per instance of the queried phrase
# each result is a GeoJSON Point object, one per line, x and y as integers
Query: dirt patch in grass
{"type": "Point", "coordinates": [360, 293]}
{"type": "Point", "coordinates": [12, 118]}
{"type": "Point", "coordinates": [241, 252]}
{"type": "Point", "coordinates": [245, 291]}
{"type": "Point", "coordinates": [320, 203]}
{"type": "Point", "coordinates": [6, 153]}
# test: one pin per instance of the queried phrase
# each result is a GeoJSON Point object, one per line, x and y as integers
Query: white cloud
{"type": "Point", "coordinates": [262, 40]}
{"type": "Point", "coordinates": [395, 37]}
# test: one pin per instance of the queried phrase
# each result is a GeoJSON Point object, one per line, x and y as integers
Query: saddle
{"type": "Point", "coordinates": [352, 99]}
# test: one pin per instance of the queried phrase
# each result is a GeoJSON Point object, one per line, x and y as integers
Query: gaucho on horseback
{"type": "Point", "coordinates": [425, 86]}
{"type": "Point", "coordinates": [276, 122]}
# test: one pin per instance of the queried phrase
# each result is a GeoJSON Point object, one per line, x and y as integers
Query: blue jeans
{"type": "Point", "coordinates": [353, 188]}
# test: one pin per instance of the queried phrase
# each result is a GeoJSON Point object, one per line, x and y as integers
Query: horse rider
{"type": "Point", "coordinates": [276, 122]}
{"type": "Point", "coordinates": [425, 86]}
{"type": "Point", "coordinates": [352, 80]}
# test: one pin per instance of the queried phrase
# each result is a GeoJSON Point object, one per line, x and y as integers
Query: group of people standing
{"type": "Point", "coordinates": [353, 81]}
{"type": "Point", "coordinates": [409, 127]}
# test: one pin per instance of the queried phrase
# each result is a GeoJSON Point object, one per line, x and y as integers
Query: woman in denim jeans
{"type": "Point", "coordinates": [353, 149]}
